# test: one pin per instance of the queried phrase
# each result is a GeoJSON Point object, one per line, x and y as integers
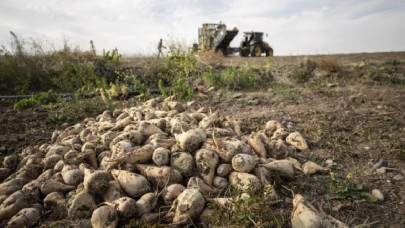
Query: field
{"type": "Point", "coordinates": [350, 109]}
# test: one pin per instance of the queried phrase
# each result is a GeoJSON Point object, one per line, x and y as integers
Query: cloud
{"type": "Point", "coordinates": [135, 26]}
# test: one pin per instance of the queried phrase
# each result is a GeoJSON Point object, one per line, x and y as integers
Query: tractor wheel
{"type": "Point", "coordinates": [269, 52]}
{"type": "Point", "coordinates": [256, 51]}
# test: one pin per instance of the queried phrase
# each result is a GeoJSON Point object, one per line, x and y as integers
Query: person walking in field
{"type": "Point", "coordinates": [160, 46]}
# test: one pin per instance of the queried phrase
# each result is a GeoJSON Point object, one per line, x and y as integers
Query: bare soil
{"type": "Point", "coordinates": [348, 115]}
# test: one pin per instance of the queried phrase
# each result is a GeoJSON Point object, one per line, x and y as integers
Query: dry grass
{"type": "Point", "coordinates": [210, 58]}
{"type": "Point", "coordinates": [328, 64]}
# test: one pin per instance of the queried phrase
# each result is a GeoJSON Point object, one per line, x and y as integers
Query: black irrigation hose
{"type": "Point", "coordinates": [66, 95]}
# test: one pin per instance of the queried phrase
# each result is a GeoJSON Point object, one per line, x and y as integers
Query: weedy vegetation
{"type": "Point", "coordinates": [253, 209]}
{"type": "Point", "coordinates": [301, 76]}
{"type": "Point", "coordinates": [285, 91]}
{"type": "Point", "coordinates": [389, 71]}
{"type": "Point", "coordinates": [37, 68]}
{"type": "Point", "coordinates": [40, 98]}
{"type": "Point", "coordinates": [342, 188]}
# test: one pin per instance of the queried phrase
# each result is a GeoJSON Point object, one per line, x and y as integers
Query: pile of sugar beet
{"type": "Point", "coordinates": [160, 162]}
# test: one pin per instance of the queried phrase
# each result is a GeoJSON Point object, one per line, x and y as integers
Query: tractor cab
{"type": "Point", "coordinates": [253, 36]}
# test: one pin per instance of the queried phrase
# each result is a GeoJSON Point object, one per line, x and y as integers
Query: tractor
{"type": "Point", "coordinates": [253, 44]}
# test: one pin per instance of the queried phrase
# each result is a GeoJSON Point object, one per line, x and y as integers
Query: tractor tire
{"type": "Point", "coordinates": [269, 52]}
{"type": "Point", "coordinates": [256, 51]}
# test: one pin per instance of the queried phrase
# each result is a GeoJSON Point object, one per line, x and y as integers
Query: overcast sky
{"type": "Point", "coordinates": [294, 27]}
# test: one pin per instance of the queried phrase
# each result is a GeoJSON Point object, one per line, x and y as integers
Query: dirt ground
{"type": "Point", "coordinates": [345, 116]}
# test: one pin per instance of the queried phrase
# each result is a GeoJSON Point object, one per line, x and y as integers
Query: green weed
{"type": "Point", "coordinates": [130, 80]}
{"type": "Point", "coordinates": [79, 108]}
{"type": "Point", "coordinates": [41, 98]}
{"type": "Point", "coordinates": [179, 74]}
{"type": "Point", "coordinates": [386, 72]}
{"type": "Point", "coordinates": [26, 103]}
{"type": "Point", "coordinates": [57, 117]}
{"type": "Point", "coordinates": [212, 78]}
{"type": "Point", "coordinates": [392, 73]}
{"type": "Point", "coordinates": [252, 210]}
{"type": "Point", "coordinates": [343, 188]}
{"type": "Point", "coordinates": [392, 62]}
{"type": "Point", "coordinates": [181, 90]}
{"type": "Point", "coordinates": [178, 88]}
{"type": "Point", "coordinates": [301, 76]}
{"type": "Point", "coordinates": [111, 56]}
{"type": "Point", "coordinates": [46, 97]}
{"type": "Point", "coordinates": [236, 78]}
{"type": "Point", "coordinates": [163, 90]}
{"type": "Point", "coordinates": [370, 73]}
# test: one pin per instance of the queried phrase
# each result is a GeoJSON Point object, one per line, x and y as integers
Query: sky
{"type": "Point", "coordinates": [294, 27]}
